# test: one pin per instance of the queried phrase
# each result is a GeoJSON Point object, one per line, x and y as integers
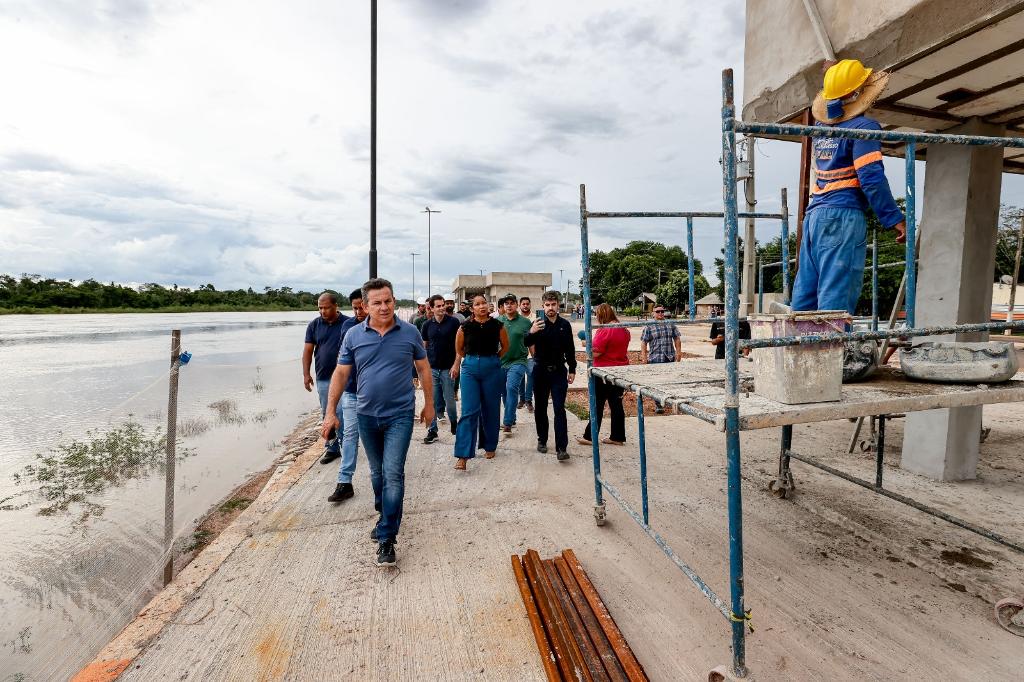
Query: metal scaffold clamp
{"type": "Point", "coordinates": [599, 515]}
{"type": "Point", "coordinates": [745, 618]}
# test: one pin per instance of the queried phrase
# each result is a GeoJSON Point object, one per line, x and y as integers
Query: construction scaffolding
{"type": "Point", "coordinates": [705, 394]}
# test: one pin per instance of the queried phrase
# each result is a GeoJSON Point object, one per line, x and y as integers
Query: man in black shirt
{"type": "Point", "coordinates": [438, 334]}
{"type": "Point", "coordinates": [551, 338]}
{"type": "Point", "coordinates": [718, 337]}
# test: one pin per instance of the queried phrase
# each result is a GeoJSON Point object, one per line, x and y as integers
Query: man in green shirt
{"type": "Point", "coordinates": [513, 363]}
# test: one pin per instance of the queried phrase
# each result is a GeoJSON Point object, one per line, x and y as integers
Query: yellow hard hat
{"type": "Point", "coordinates": [844, 77]}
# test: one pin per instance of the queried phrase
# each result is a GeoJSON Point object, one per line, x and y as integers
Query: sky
{"type": "Point", "coordinates": [227, 142]}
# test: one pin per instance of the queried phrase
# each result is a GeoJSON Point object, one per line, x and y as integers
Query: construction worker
{"type": "Point", "coordinates": [850, 179]}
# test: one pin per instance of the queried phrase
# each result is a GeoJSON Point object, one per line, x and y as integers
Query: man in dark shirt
{"type": "Point", "coordinates": [323, 341]}
{"type": "Point", "coordinates": [350, 423]}
{"type": "Point", "coordinates": [551, 338]}
{"type": "Point", "coordinates": [718, 337]}
{"type": "Point", "coordinates": [438, 332]}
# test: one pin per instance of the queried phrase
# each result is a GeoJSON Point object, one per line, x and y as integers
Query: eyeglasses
{"type": "Point", "coordinates": [662, 312]}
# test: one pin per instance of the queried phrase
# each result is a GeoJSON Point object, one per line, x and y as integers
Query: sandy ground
{"type": "Point", "coordinates": [843, 584]}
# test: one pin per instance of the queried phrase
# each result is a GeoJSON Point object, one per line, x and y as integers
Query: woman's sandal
{"type": "Point", "coordinates": [488, 455]}
{"type": "Point", "coordinates": [609, 441]}
{"type": "Point", "coordinates": [583, 441]}
{"type": "Point", "coordinates": [460, 464]}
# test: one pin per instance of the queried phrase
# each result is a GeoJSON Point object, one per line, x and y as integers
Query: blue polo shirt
{"type": "Point", "coordinates": [383, 364]}
{"type": "Point", "coordinates": [326, 339]}
{"type": "Point", "coordinates": [352, 385]}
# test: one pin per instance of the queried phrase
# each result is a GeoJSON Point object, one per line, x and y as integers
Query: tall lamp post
{"type": "Point", "coordinates": [428, 211]}
{"type": "Point", "coordinates": [373, 138]}
{"type": "Point", "coordinates": [413, 254]}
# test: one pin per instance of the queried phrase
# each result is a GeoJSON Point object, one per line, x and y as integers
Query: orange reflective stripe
{"type": "Point", "coordinates": [839, 184]}
{"type": "Point", "coordinates": [836, 173]}
{"type": "Point", "coordinates": [870, 157]}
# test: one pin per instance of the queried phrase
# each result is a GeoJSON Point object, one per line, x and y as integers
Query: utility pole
{"type": "Point", "coordinates": [428, 211]}
{"type": "Point", "coordinates": [413, 254]}
{"type": "Point", "coordinates": [560, 283]}
{"type": "Point", "coordinates": [1016, 274]}
{"type": "Point", "coordinates": [373, 138]}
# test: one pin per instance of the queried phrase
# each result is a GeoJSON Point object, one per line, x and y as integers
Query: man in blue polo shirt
{"type": "Point", "coordinates": [382, 351]}
{"type": "Point", "coordinates": [439, 332]}
{"type": "Point", "coordinates": [323, 340]}
{"type": "Point", "coordinates": [350, 420]}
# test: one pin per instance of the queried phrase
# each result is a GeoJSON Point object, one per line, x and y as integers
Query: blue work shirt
{"type": "Point", "coordinates": [383, 364]}
{"type": "Point", "coordinates": [850, 174]}
{"type": "Point", "coordinates": [352, 385]}
{"type": "Point", "coordinates": [326, 339]}
{"type": "Point", "coordinates": [440, 338]}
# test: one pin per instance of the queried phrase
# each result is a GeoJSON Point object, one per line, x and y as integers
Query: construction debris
{"type": "Point", "coordinates": [577, 637]}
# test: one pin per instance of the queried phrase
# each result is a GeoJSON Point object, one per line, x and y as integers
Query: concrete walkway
{"type": "Point", "coordinates": [843, 584]}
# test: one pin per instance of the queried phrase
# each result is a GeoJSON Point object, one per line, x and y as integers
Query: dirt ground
{"type": "Point", "coordinates": [842, 584]}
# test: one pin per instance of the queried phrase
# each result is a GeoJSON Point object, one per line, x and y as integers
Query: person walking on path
{"type": "Point", "coordinates": [449, 305]}
{"type": "Point", "coordinates": [479, 345]}
{"type": "Point", "coordinates": [323, 339]}
{"type": "Point", "coordinates": [513, 363]}
{"type": "Point", "coordinates": [660, 342]}
{"type": "Point", "coordinates": [439, 334]}
{"type": "Point", "coordinates": [611, 349]}
{"type": "Point", "coordinates": [350, 420]}
{"type": "Point", "coordinates": [553, 351]}
{"type": "Point", "coordinates": [849, 179]}
{"type": "Point", "coordinates": [526, 386]}
{"type": "Point", "coordinates": [381, 351]}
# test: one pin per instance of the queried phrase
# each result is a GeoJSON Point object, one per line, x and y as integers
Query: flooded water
{"type": "Point", "coordinates": [70, 580]}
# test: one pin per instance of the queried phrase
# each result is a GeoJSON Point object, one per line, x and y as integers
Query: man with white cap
{"type": "Point", "coordinates": [850, 179]}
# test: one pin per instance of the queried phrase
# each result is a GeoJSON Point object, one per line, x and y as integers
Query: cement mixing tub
{"type": "Point", "coordinates": [795, 375]}
{"type": "Point", "coordinates": [960, 362]}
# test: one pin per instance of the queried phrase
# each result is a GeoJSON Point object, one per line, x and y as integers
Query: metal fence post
{"type": "Point", "coordinates": [785, 246]}
{"type": "Point", "coordinates": [591, 384]}
{"type": "Point", "coordinates": [911, 295]}
{"type": "Point", "coordinates": [874, 281]}
{"type": "Point", "coordinates": [172, 429]}
{"type": "Point", "coordinates": [689, 264]}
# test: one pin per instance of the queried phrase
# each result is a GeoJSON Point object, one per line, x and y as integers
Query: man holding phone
{"type": "Point", "coordinates": [555, 368]}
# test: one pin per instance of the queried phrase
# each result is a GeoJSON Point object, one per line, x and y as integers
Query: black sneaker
{"type": "Point", "coordinates": [455, 427]}
{"type": "Point", "coordinates": [386, 553]}
{"type": "Point", "coordinates": [542, 447]}
{"type": "Point", "coordinates": [329, 456]}
{"type": "Point", "coordinates": [341, 493]}
{"type": "Point", "coordinates": [431, 437]}
{"type": "Point", "coordinates": [562, 455]}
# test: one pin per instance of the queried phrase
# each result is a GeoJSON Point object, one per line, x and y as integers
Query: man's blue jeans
{"type": "Point", "coordinates": [832, 249]}
{"type": "Point", "coordinates": [481, 403]}
{"type": "Point", "coordinates": [553, 382]}
{"type": "Point", "coordinates": [444, 396]}
{"type": "Point", "coordinates": [386, 441]}
{"type": "Point", "coordinates": [513, 380]}
{"type": "Point", "coordinates": [526, 386]}
{"type": "Point", "coordinates": [322, 386]}
{"type": "Point", "coordinates": [349, 438]}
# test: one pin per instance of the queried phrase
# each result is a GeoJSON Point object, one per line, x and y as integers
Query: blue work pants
{"type": "Point", "coordinates": [322, 388]}
{"type": "Point", "coordinates": [349, 438]}
{"type": "Point", "coordinates": [444, 396]}
{"type": "Point", "coordinates": [832, 250]}
{"type": "Point", "coordinates": [514, 375]}
{"type": "Point", "coordinates": [386, 441]}
{"type": "Point", "coordinates": [481, 404]}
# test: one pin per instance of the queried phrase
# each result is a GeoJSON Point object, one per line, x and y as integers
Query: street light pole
{"type": "Point", "coordinates": [373, 138]}
{"type": "Point", "coordinates": [413, 254]}
{"type": "Point", "coordinates": [428, 211]}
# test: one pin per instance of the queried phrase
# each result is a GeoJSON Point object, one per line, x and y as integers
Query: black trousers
{"type": "Point", "coordinates": [605, 393]}
{"type": "Point", "coordinates": [553, 382]}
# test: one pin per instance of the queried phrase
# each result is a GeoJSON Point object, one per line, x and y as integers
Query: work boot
{"type": "Point", "coordinates": [529, 406]}
{"type": "Point", "coordinates": [562, 455]}
{"type": "Point", "coordinates": [521, 405]}
{"type": "Point", "coordinates": [329, 456]}
{"type": "Point", "coordinates": [455, 427]}
{"type": "Point", "coordinates": [431, 437]}
{"type": "Point", "coordinates": [342, 492]}
{"type": "Point", "coordinates": [542, 447]}
{"type": "Point", "coordinates": [507, 430]}
{"type": "Point", "coordinates": [386, 553]}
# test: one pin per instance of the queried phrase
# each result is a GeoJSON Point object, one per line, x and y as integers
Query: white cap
{"type": "Point", "coordinates": [421, 300]}
{"type": "Point", "coordinates": [450, 296]}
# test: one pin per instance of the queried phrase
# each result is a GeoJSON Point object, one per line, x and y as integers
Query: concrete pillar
{"type": "Point", "coordinates": [954, 285]}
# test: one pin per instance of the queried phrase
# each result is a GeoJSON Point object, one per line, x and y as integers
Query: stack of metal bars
{"type": "Point", "coordinates": [576, 636]}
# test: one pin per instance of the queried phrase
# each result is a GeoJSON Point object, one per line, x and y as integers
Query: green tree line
{"type": "Point", "coordinates": [619, 276]}
{"type": "Point", "coordinates": [33, 293]}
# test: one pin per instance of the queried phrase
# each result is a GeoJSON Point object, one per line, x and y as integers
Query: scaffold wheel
{"type": "Point", "coordinates": [783, 486]}
{"type": "Point", "coordinates": [599, 516]}
{"type": "Point", "coordinates": [1010, 615]}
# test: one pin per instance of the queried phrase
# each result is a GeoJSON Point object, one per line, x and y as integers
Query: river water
{"type": "Point", "coordinates": [71, 579]}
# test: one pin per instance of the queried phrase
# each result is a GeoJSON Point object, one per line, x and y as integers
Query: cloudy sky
{"type": "Point", "coordinates": [227, 141]}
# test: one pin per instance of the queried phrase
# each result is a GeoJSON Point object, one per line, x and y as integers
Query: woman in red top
{"type": "Point", "coordinates": [610, 350]}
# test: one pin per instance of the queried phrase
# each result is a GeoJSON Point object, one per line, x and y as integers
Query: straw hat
{"type": "Point", "coordinates": [850, 90]}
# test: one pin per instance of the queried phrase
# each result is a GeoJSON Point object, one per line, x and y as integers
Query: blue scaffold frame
{"type": "Point", "coordinates": [735, 611]}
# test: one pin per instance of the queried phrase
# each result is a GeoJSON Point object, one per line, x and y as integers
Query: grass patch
{"type": "Point", "coordinates": [257, 383]}
{"type": "Point", "coordinates": [200, 539]}
{"type": "Point", "coordinates": [78, 471]}
{"type": "Point", "coordinates": [235, 503]}
{"type": "Point", "coordinates": [579, 410]}
{"type": "Point", "coordinates": [193, 426]}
